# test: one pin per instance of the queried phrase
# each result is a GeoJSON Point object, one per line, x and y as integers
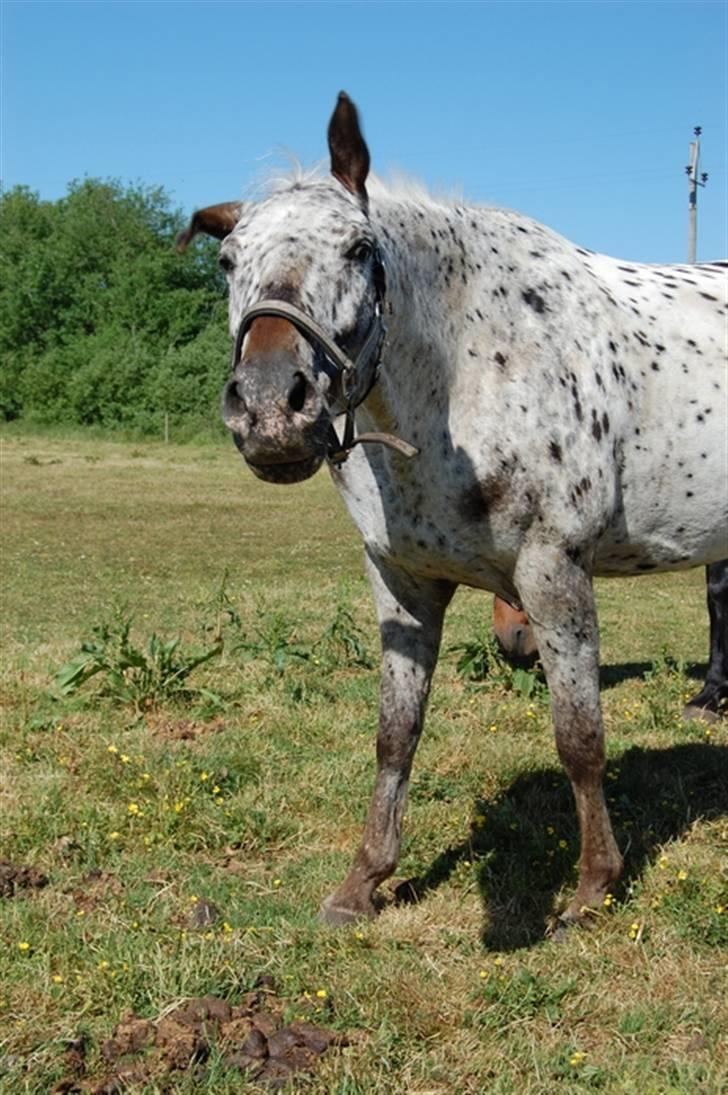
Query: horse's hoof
{"type": "Point", "coordinates": [577, 915]}
{"type": "Point", "coordinates": [338, 916]}
{"type": "Point", "coordinates": [558, 929]}
{"type": "Point", "coordinates": [691, 712]}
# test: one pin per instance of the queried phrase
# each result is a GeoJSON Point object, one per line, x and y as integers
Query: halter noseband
{"type": "Point", "coordinates": [352, 379]}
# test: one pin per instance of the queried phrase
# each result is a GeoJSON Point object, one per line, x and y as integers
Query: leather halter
{"type": "Point", "coordinates": [352, 380]}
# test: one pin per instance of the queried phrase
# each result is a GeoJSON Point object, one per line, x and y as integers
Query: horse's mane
{"type": "Point", "coordinates": [398, 187]}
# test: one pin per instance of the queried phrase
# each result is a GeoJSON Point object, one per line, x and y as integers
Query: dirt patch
{"type": "Point", "coordinates": [251, 1037]}
{"type": "Point", "coordinates": [163, 726]}
{"type": "Point", "coordinates": [14, 878]}
{"type": "Point", "coordinates": [95, 888]}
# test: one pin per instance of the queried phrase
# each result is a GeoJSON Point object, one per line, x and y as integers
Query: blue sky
{"type": "Point", "coordinates": [579, 114]}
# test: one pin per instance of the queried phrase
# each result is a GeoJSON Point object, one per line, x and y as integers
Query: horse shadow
{"type": "Point", "coordinates": [525, 843]}
{"type": "Point", "coordinates": [612, 675]}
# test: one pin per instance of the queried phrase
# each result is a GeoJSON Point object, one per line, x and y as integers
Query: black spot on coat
{"type": "Point", "coordinates": [535, 300]}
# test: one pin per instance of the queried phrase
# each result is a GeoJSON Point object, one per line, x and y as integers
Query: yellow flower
{"type": "Point", "coordinates": [322, 994]}
{"type": "Point", "coordinates": [577, 1058]}
{"type": "Point", "coordinates": [682, 875]}
{"type": "Point", "coordinates": [133, 808]}
{"type": "Point", "coordinates": [358, 935]}
{"type": "Point", "coordinates": [662, 863]}
{"type": "Point", "coordinates": [23, 946]}
{"type": "Point", "coordinates": [103, 964]}
{"type": "Point", "coordinates": [57, 979]}
{"type": "Point", "coordinates": [111, 749]}
{"type": "Point", "coordinates": [484, 975]}
{"type": "Point", "coordinates": [608, 900]}
{"type": "Point", "coordinates": [226, 927]}
{"type": "Point", "coordinates": [204, 776]}
{"type": "Point", "coordinates": [277, 882]}
{"type": "Point", "coordinates": [124, 758]}
{"type": "Point", "coordinates": [499, 961]}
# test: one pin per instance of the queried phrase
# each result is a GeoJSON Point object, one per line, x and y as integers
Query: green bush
{"type": "Point", "coordinates": [101, 321]}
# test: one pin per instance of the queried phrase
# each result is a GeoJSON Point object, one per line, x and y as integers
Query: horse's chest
{"type": "Point", "coordinates": [426, 524]}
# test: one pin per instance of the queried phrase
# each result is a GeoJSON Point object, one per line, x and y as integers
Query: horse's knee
{"type": "Point", "coordinates": [580, 745]}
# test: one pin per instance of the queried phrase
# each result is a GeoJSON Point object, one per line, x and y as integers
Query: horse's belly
{"type": "Point", "coordinates": [655, 532]}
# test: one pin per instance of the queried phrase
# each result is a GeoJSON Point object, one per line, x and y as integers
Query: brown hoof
{"type": "Point", "coordinates": [560, 926]}
{"type": "Point", "coordinates": [690, 712]}
{"type": "Point", "coordinates": [338, 916]}
{"type": "Point", "coordinates": [558, 929]}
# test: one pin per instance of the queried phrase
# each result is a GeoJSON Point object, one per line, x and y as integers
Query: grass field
{"type": "Point", "coordinates": [182, 827]}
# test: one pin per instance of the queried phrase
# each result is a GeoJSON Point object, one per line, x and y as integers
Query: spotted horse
{"type": "Point", "coordinates": [517, 643]}
{"type": "Point", "coordinates": [498, 408]}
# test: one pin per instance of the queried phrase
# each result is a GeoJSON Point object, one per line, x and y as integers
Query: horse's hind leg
{"type": "Point", "coordinates": [714, 693]}
{"type": "Point", "coordinates": [410, 621]}
{"type": "Point", "coordinates": [558, 596]}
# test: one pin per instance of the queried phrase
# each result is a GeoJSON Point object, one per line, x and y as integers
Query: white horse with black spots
{"type": "Point", "coordinates": [536, 415]}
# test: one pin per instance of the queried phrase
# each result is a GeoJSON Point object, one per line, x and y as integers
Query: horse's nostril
{"type": "Point", "coordinates": [233, 402]}
{"type": "Point", "coordinates": [297, 394]}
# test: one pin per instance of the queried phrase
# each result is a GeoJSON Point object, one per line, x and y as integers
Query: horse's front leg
{"type": "Point", "coordinates": [558, 596]}
{"type": "Point", "coordinates": [410, 621]}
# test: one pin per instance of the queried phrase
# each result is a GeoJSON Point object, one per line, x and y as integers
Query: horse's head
{"type": "Point", "coordinates": [306, 288]}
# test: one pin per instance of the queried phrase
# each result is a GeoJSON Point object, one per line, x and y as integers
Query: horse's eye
{"type": "Point", "coordinates": [361, 251]}
{"type": "Point", "coordinates": [225, 263]}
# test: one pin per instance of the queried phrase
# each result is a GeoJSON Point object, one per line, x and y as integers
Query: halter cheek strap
{"type": "Point", "coordinates": [352, 380]}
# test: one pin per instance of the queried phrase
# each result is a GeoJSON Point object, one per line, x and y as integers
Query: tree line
{"type": "Point", "coordinates": [101, 321]}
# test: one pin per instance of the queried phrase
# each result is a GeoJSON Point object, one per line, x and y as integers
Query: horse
{"type": "Point", "coordinates": [517, 644]}
{"type": "Point", "coordinates": [498, 408]}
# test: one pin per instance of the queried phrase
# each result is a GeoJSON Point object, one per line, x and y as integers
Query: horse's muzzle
{"type": "Point", "coordinates": [278, 417]}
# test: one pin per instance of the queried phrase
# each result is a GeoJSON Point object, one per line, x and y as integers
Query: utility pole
{"type": "Point", "coordinates": [693, 183]}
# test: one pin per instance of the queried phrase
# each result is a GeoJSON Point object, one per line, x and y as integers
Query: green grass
{"type": "Point", "coordinates": [248, 790]}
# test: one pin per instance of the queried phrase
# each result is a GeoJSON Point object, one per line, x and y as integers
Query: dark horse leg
{"type": "Point", "coordinates": [714, 693]}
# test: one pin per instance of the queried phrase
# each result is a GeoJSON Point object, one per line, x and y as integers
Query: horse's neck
{"type": "Point", "coordinates": [422, 258]}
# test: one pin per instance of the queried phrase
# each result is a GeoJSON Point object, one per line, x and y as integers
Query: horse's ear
{"type": "Point", "coordinates": [349, 153]}
{"type": "Point", "coordinates": [215, 220]}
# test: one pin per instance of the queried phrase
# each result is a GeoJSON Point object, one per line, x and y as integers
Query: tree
{"type": "Point", "coordinates": [95, 305]}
